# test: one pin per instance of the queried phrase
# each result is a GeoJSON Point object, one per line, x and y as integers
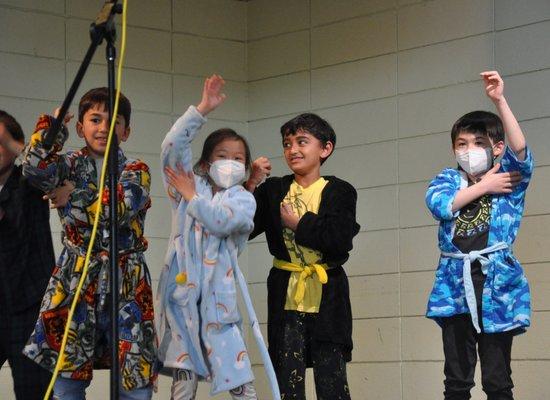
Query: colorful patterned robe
{"type": "Point", "coordinates": [198, 322]}
{"type": "Point", "coordinates": [85, 350]}
{"type": "Point", "coordinates": [506, 301]}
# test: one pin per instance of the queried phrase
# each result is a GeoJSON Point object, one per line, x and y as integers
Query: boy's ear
{"type": "Point", "coordinates": [498, 148]}
{"type": "Point", "coordinates": [327, 150]}
{"type": "Point", "coordinates": [125, 135]}
{"type": "Point", "coordinates": [79, 128]}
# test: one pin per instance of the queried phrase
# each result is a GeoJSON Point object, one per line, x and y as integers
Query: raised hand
{"type": "Point", "coordinates": [182, 181]}
{"type": "Point", "coordinates": [288, 218]}
{"type": "Point", "coordinates": [212, 95]}
{"type": "Point", "coordinates": [500, 182]}
{"type": "Point", "coordinates": [261, 168]}
{"type": "Point", "coordinates": [494, 85]}
{"type": "Point", "coordinates": [67, 118]}
{"type": "Point", "coordinates": [59, 197]}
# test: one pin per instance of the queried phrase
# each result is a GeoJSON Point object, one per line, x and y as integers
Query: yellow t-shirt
{"type": "Point", "coordinates": [303, 200]}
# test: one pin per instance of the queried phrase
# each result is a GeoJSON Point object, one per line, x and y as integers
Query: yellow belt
{"type": "Point", "coordinates": [305, 272]}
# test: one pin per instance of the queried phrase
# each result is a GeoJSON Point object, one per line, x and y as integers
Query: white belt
{"type": "Point", "coordinates": [468, 258]}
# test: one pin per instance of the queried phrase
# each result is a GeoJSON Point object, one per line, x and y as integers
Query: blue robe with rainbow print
{"type": "Point", "coordinates": [199, 324]}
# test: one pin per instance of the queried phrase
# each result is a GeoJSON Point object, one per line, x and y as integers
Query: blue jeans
{"type": "Point", "coordinates": [73, 389]}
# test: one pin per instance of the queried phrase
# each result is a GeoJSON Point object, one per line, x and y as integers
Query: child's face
{"type": "Point", "coordinates": [466, 141]}
{"type": "Point", "coordinates": [303, 152]}
{"type": "Point", "coordinates": [94, 128]}
{"type": "Point", "coordinates": [7, 158]}
{"type": "Point", "coordinates": [229, 149]}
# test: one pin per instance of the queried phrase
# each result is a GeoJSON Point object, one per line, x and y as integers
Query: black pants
{"type": "Point", "coordinates": [459, 346]}
{"type": "Point", "coordinates": [297, 349]}
{"type": "Point", "coordinates": [30, 381]}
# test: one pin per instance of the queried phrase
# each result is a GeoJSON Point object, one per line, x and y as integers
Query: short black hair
{"type": "Point", "coordinates": [483, 122]}
{"type": "Point", "coordinates": [210, 144]}
{"type": "Point", "coordinates": [100, 96]}
{"type": "Point", "coordinates": [312, 124]}
{"type": "Point", "coordinates": [12, 126]}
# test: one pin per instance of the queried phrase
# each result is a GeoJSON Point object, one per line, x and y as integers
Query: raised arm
{"type": "Point", "coordinates": [494, 87]}
{"type": "Point", "coordinates": [45, 169]}
{"type": "Point", "coordinates": [176, 147]}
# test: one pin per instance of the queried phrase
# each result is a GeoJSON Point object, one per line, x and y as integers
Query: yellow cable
{"type": "Point", "coordinates": [98, 211]}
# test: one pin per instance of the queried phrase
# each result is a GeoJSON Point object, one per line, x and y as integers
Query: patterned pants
{"type": "Point", "coordinates": [296, 346]}
{"type": "Point", "coordinates": [185, 382]}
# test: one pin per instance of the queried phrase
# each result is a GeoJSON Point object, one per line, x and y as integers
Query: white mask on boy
{"type": "Point", "coordinates": [475, 162]}
{"type": "Point", "coordinates": [227, 173]}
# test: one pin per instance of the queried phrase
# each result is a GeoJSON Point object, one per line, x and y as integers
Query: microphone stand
{"type": "Point", "coordinates": [103, 28]}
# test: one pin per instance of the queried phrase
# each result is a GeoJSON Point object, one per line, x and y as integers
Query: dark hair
{"type": "Point", "coordinates": [100, 96]}
{"type": "Point", "coordinates": [210, 144]}
{"type": "Point", "coordinates": [483, 122]}
{"type": "Point", "coordinates": [312, 124]}
{"type": "Point", "coordinates": [12, 126]}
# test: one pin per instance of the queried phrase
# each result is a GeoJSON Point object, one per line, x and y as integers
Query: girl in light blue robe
{"type": "Point", "coordinates": [199, 325]}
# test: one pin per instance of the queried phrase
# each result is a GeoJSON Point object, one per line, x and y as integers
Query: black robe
{"type": "Point", "coordinates": [26, 248]}
{"type": "Point", "coordinates": [330, 231]}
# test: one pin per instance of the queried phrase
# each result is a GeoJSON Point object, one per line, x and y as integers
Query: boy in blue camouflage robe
{"type": "Point", "coordinates": [480, 294]}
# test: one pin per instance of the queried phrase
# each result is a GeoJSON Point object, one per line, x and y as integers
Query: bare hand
{"type": "Point", "coordinates": [59, 197]}
{"type": "Point", "coordinates": [494, 85]}
{"type": "Point", "coordinates": [261, 169]}
{"type": "Point", "coordinates": [212, 95]}
{"type": "Point", "coordinates": [500, 182]}
{"type": "Point", "coordinates": [182, 181]}
{"type": "Point", "coordinates": [67, 118]}
{"type": "Point", "coordinates": [288, 218]}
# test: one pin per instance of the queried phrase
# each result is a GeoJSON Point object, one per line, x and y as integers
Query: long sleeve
{"type": "Point", "coordinates": [262, 205]}
{"type": "Point", "coordinates": [45, 169]}
{"type": "Point", "coordinates": [234, 214]}
{"type": "Point", "coordinates": [510, 162]}
{"type": "Point", "coordinates": [176, 147]}
{"type": "Point", "coordinates": [441, 193]}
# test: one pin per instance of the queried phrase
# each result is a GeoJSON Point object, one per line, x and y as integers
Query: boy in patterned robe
{"type": "Point", "coordinates": [88, 346]}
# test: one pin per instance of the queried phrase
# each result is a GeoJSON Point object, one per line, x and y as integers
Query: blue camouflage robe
{"type": "Point", "coordinates": [198, 320]}
{"type": "Point", "coordinates": [506, 299]}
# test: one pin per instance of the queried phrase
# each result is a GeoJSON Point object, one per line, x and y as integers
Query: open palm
{"type": "Point", "coordinates": [212, 95]}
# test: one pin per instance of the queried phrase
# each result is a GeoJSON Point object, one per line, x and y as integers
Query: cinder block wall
{"type": "Point", "coordinates": [390, 75]}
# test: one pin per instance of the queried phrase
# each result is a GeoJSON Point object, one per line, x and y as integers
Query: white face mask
{"type": "Point", "coordinates": [226, 173]}
{"type": "Point", "coordinates": [476, 161]}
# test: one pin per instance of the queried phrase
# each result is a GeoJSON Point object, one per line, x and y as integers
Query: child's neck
{"type": "Point", "coordinates": [307, 179]}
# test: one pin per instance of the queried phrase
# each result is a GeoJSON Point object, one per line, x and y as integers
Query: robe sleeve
{"type": "Point", "coordinates": [233, 215]}
{"type": "Point", "coordinates": [441, 194]}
